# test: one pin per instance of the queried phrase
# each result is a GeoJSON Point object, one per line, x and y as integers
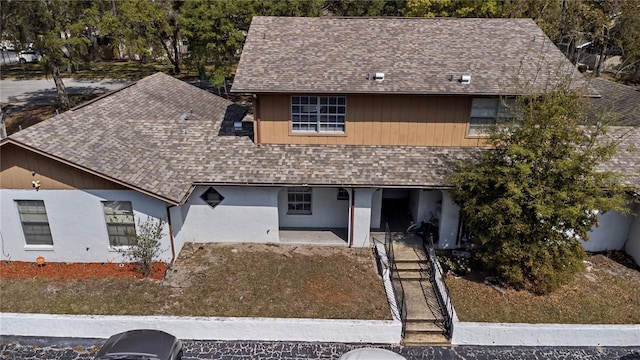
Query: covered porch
{"type": "Point", "coordinates": [314, 236]}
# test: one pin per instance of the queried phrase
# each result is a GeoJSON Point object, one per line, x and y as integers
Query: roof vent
{"type": "Point", "coordinates": [379, 76]}
{"type": "Point", "coordinates": [465, 79]}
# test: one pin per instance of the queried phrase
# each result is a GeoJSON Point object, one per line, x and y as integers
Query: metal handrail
{"type": "Point", "coordinates": [444, 299]}
{"type": "Point", "coordinates": [395, 278]}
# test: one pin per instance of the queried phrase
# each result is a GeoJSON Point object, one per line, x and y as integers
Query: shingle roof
{"type": "Point", "coordinates": [416, 55]}
{"type": "Point", "coordinates": [626, 162]}
{"type": "Point", "coordinates": [619, 99]}
{"type": "Point", "coordinates": [136, 136]}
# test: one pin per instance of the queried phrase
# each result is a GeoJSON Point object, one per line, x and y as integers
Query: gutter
{"type": "Point", "coordinates": [256, 113]}
{"type": "Point", "coordinates": [352, 220]}
{"type": "Point", "coordinates": [173, 246]}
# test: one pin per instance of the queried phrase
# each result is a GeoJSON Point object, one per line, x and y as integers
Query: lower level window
{"type": "Point", "coordinates": [299, 200]}
{"type": "Point", "coordinates": [120, 223]}
{"type": "Point", "coordinates": [35, 223]}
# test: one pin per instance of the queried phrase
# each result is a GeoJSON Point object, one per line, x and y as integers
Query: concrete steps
{"type": "Point", "coordinates": [412, 270]}
{"type": "Point", "coordinates": [425, 340]}
{"type": "Point", "coordinates": [424, 322]}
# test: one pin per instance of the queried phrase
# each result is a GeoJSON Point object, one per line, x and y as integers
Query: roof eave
{"type": "Point", "coordinates": [87, 170]}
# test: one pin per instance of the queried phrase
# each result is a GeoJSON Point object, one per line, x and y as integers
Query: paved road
{"type": "Point", "coordinates": [21, 92]}
{"type": "Point", "coordinates": [80, 349]}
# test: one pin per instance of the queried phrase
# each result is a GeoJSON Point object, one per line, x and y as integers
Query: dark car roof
{"type": "Point", "coordinates": [154, 343]}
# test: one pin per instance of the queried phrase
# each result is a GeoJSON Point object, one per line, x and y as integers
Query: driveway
{"type": "Point", "coordinates": [41, 91]}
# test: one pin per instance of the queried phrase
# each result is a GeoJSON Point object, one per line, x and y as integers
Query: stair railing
{"type": "Point", "coordinates": [398, 289]}
{"type": "Point", "coordinates": [442, 293]}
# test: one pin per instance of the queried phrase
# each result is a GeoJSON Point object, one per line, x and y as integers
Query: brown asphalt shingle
{"type": "Point", "coordinates": [618, 100]}
{"type": "Point", "coordinates": [416, 55]}
{"type": "Point", "coordinates": [136, 135]}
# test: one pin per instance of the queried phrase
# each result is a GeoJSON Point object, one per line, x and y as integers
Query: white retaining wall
{"type": "Point", "coordinates": [204, 328]}
{"type": "Point", "coordinates": [473, 333]}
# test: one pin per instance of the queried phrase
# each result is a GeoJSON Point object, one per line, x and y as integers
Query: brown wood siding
{"type": "Point", "coordinates": [17, 163]}
{"type": "Point", "coordinates": [411, 120]}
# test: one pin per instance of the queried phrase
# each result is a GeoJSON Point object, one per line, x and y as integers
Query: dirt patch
{"type": "Point", "coordinates": [68, 271]}
{"type": "Point", "coordinates": [237, 280]}
{"type": "Point", "coordinates": [606, 293]}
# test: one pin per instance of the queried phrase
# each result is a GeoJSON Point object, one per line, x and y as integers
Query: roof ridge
{"type": "Point", "coordinates": [102, 97]}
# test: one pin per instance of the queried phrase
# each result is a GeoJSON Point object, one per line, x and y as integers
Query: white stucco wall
{"type": "Point", "coordinates": [326, 210]}
{"type": "Point", "coordinates": [175, 213]}
{"type": "Point", "coordinates": [362, 217]}
{"type": "Point", "coordinates": [77, 223]}
{"type": "Point", "coordinates": [450, 217]}
{"type": "Point", "coordinates": [632, 246]}
{"type": "Point", "coordinates": [247, 214]}
{"type": "Point", "coordinates": [376, 209]}
{"type": "Point", "coordinates": [414, 205]}
{"type": "Point", "coordinates": [611, 234]}
{"type": "Point", "coordinates": [429, 205]}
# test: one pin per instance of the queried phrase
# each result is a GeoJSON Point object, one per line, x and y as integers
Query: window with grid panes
{"type": "Point", "coordinates": [120, 222]}
{"type": "Point", "coordinates": [299, 200]}
{"type": "Point", "coordinates": [486, 112]}
{"type": "Point", "coordinates": [35, 224]}
{"type": "Point", "coordinates": [321, 114]}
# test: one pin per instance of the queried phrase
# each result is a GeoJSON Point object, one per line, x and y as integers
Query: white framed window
{"type": "Point", "coordinates": [120, 222]}
{"type": "Point", "coordinates": [486, 112]}
{"type": "Point", "coordinates": [320, 114]}
{"type": "Point", "coordinates": [35, 224]}
{"type": "Point", "coordinates": [299, 200]}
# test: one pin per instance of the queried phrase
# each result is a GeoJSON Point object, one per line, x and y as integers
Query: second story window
{"type": "Point", "coordinates": [319, 114]}
{"type": "Point", "coordinates": [486, 112]}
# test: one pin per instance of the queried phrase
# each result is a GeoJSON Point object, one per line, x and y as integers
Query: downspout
{"type": "Point", "coordinates": [173, 247]}
{"type": "Point", "coordinates": [256, 112]}
{"type": "Point", "coordinates": [352, 220]}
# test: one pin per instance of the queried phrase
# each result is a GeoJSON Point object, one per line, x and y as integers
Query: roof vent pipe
{"type": "Point", "coordinates": [379, 76]}
{"type": "Point", "coordinates": [465, 79]}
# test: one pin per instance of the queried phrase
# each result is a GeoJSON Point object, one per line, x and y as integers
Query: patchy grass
{"type": "Point", "coordinates": [607, 293]}
{"type": "Point", "coordinates": [223, 280]}
{"type": "Point", "coordinates": [120, 69]}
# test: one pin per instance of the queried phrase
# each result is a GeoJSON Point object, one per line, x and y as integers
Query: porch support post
{"type": "Point", "coordinates": [361, 225]}
{"type": "Point", "coordinates": [449, 220]}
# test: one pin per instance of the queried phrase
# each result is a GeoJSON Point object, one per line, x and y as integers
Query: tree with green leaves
{"type": "Point", "coordinates": [216, 31]}
{"type": "Point", "coordinates": [55, 27]}
{"type": "Point", "coordinates": [536, 191]}
{"type": "Point", "coordinates": [366, 7]}
{"type": "Point", "coordinates": [454, 8]}
{"type": "Point", "coordinates": [626, 36]}
{"type": "Point", "coordinates": [288, 7]}
{"type": "Point", "coordinates": [145, 28]}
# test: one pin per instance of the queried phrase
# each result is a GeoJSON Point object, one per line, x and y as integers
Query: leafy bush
{"type": "Point", "coordinates": [145, 245]}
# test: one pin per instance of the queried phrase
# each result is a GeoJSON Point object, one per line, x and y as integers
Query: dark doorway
{"type": "Point", "coordinates": [395, 209]}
